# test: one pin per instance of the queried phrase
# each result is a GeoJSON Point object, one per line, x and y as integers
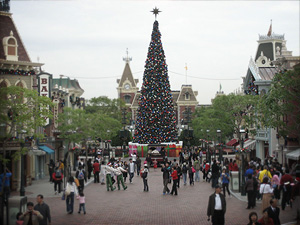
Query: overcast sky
{"type": "Point", "coordinates": [87, 40]}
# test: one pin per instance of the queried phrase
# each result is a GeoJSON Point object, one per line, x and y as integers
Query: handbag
{"type": "Point", "coordinates": [63, 197]}
{"type": "Point", "coordinates": [193, 170]}
{"type": "Point", "coordinates": [68, 190]}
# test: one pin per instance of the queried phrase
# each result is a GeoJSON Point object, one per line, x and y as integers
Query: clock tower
{"type": "Point", "coordinates": [127, 85]}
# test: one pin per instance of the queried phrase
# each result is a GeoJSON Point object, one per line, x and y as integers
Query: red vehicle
{"type": "Point", "coordinates": [157, 153]}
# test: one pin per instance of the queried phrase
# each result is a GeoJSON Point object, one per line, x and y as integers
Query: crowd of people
{"type": "Point", "coordinates": [267, 181]}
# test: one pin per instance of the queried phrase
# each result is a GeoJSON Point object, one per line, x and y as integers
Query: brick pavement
{"type": "Point", "coordinates": [134, 206]}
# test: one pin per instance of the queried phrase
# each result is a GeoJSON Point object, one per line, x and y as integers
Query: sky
{"type": "Point", "coordinates": [87, 39]}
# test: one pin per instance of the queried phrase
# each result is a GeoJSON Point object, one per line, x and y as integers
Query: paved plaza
{"type": "Point", "coordinates": [134, 206]}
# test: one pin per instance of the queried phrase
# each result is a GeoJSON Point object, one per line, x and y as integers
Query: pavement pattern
{"type": "Point", "coordinates": [134, 206]}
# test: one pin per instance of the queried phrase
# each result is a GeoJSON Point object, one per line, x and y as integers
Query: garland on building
{"type": "Point", "coordinates": [17, 72]}
{"type": "Point", "coordinates": [252, 88]}
{"type": "Point", "coordinates": [156, 117]}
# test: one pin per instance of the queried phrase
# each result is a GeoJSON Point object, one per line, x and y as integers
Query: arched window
{"type": "Point", "coordinates": [10, 45]}
{"type": "Point", "coordinates": [127, 99]}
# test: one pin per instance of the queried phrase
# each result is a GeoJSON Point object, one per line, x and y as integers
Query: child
{"type": "Point", "coordinates": [19, 221]}
{"type": "Point", "coordinates": [81, 199]}
{"type": "Point", "coordinates": [145, 177]}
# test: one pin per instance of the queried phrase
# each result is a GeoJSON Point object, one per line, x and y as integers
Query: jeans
{"type": "Point", "coordinates": [225, 185]}
{"type": "Point", "coordinates": [81, 205]}
{"type": "Point", "coordinates": [214, 181]}
{"type": "Point", "coordinates": [166, 189]}
{"type": "Point", "coordinates": [96, 177]}
{"type": "Point", "coordinates": [57, 183]}
{"type": "Point", "coordinates": [146, 188]}
{"type": "Point", "coordinates": [197, 175]}
{"type": "Point", "coordinates": [131, 175]}
{"type": "Point", "coordinates": [70, 202]}
{"type": "Point", "coordinates": [191, 176]}
{"type": "Point", "coordinates": [174, 187]}
{"type": "Point", "coordinates": [184, 176]}
{"type": "Point", "coordinates": [138, 168]}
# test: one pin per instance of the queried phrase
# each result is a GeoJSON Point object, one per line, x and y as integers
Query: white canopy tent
{"type": "Point", "coordinates": [294, 155]}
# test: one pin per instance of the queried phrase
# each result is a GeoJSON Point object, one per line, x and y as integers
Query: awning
{"type": "Point", "coordinates": [295, 155]}
{"type": "Point", "coordinates": [46, 149]}
{"type": "Point", "coordinates": [250, 144]}
{"type": "Point", "coordinates": [37, 152]}
{"type": "Point", "coordinates": [233, 142]}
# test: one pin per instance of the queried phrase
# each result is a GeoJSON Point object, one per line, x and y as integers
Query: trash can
{"type": "Point", "coordinates": [235, 184]}
{"type": "Point", "coordinates": [16, 204]}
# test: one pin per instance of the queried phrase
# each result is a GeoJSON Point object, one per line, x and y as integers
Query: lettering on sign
{"type": "Point", "coordinates": [55, 113]}
{"type": "Point", "coordinates": [43, 87]}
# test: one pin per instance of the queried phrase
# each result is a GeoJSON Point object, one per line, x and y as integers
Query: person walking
{"type": "Point", "coordinates": [126, 168]}
{"type": "Point", "coordinates": [57, 178]}
{"type": "Point", "coordinates": [145, 177]}
{"type": "Point", "coordinates": [44, 209]}
{"type": "Point", "coordinates": [70, 191]}
{"type": "Point", "coordinates": [215, 171]}
{"type": "Point", "coordinates": [225, 182]}
{"type": "Point", "coordinates": [216, 208]}
{"type": "Point", "coordinates": [119, 173]}
{"type": "Point", "coordinates": [253, 219]}
{"type": "Point", "coordinates": [285, 183]}
{"type": "Point", "coordinates": [96, 171]}
{"type": "Point", "coordinates": [81, 176]}
{"type": "Point", "coordinates": [102, 173]}
{"type": "Point", "coordinates": [249, 187]}
{"type": "Point", "coordinates": [131, 170]}
{"type": "Point", "coordinates": [149, 161]}
{"type": "Point", "coordinates": [138, 165]}
{"type": "Point", "coordinates": [31, 216]}
{"type": "Point", "coordinates": [197, 166]}
{"type": "Point", "coordinates": [178, 174]}
{"type": "Point", "coordinates": [184, 171]}
{"type": "Point", "coordinates": [191, 170]}
{"type": "Point", "coordinates": [51, 166]}
{"type": "Point", "coordinates": [109, 171]}
{"type": "Point", "coordinates": [295, 199]}
{"type": "Point", "coordinates": [166, 177]}
{"type": "Point", "coordinates": [266, 220]}
{"type": "Point", "coordinates": [274, 211]}
{"type": "Point", "coordinates": [175, 180]}
{"type": "Point", "coordinates": [90, 169]}
{"type": "Point", "coordinates": [267, 192]}
{"type": "Point", "coordinates": [81, 199]}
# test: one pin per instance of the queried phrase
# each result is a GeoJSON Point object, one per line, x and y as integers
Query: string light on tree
{"type": "Point", "coordinates": [156, 117]}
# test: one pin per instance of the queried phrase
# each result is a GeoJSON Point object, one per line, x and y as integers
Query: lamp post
{"type": "Point", "coordinates": [207, 146]}
{"type": "Point", "coordinates": [219, 134]}
{"type": "Point", "coordinates": [22, 188]}
{"type": "Point", "coordinates": [243, 191]}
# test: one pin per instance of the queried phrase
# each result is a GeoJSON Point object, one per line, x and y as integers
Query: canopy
{"type": "Point", "coordinates": [46, 149]}
{"type": "Point", "coordinates": [250, 144]}
{"type": "Point", "coordinates": [232, 142]}
{"type": "Point", "coordinates": [295, 155]}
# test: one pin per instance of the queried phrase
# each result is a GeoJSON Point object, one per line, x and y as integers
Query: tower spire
{"type": "Point", "coordinates": [127, 59]}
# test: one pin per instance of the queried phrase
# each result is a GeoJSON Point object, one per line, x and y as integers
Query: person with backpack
{"type": "Point", "coordinates": [51, 166]}
{"type": "Point", "coordinates": [81, 176]}
{"type": "Point", "coordinates": [178, 174]}
{"type": "Point", "coordinates": [175, 179]}
{"type": "Point", "coordinates": [145, 177]}
{"type": "Point", "coordinates": [191, 170]}
{"type": "Point", "coordinates": [57, 177]}
{"type": "Point", "coordinates": [265, 173]}
{"type": "Point", "coordinates": [197, 166]}
{"type": "Point", "coordinates": [184, 172]}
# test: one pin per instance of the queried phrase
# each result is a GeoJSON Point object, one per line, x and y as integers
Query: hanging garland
{"type": "Point", "coordinates": [17, 72]}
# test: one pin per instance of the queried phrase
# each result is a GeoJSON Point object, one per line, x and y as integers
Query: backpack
{"type": "Point", "coordinates": [184, 169]}
{"type": "Point", "coordinates": [81, 175]}
{"type": "Point", "coordinates": [58, 173]}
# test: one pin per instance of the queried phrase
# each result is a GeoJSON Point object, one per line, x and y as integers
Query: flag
{"type": "Point", "coordinates": [270, 30]}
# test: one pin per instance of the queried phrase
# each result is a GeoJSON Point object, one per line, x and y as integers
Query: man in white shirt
{"type": "Point", "coordinates": [131, 170]}
{"type": "Point", "coordinates": [217, 207]}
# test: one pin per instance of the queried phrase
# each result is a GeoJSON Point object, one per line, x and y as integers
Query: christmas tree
{"type": "Point", "coordinates": [156, 117]}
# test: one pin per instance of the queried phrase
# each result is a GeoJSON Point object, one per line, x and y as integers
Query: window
{"type": "Point", "coordinates": [187, 96]}
{"type": "Point", "coordinates": [10, 45]}
{"type": "Point", "coordinates": [127, 99]}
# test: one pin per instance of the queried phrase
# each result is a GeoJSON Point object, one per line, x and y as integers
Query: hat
{"type": "Point", "coordinates": [184, 163]}
{"type": "Point", "coordinates": [116, 165]}
{"type": "Point", "coordinates": [217, 186]}
{"type": "Point", "coordinates": [145, 165]}
{"type": "Point", "coordinates": [298, 179]}
{"type": "Point", "coordinates": [109, 164]}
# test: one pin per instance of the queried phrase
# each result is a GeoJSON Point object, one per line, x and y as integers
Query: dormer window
{"type": "Point", "coordinates": [10, 45]}
{"type": "Point", "coordinates": [187, 96]}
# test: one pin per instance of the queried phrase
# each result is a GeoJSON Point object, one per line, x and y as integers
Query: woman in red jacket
{"type": "Point", "coordinates": [175, 180]}
{"type": "Point", "coordinates": [57, 177]}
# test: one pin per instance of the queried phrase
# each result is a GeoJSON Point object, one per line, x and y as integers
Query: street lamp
{"type": "Point", "coordinates": [219, 134]}
{"type": "Point", "coordinates": [243, 191]}
{"type": "Point", "coordinates": [207, 146]}
{"type": "Point", "coordinates": [22, 188]}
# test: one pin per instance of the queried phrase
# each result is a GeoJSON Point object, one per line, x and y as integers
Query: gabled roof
{"type": "Point", "coordinates": [6, 26]}
{"type": "Point", "coordinates": [184, 90]}
{"type": "Point", "coordinates": [67, 83]}
{"type": "Point", "coordinates": [267, 73]}
{"type": "Point", "coordinates": [127, 75]}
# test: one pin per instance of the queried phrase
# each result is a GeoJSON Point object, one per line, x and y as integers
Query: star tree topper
{"type": "Point", "coordinates": [155, 12]}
